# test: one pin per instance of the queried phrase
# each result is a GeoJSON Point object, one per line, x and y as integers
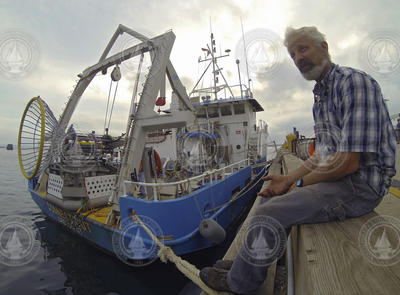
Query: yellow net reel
{"type": "Point", "coordinates": [36, 130]}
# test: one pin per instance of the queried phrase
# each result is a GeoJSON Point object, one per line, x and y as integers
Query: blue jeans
{"type": "Point", "coordinates": [322, 202]}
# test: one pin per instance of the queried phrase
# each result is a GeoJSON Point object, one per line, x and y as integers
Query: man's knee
{"type": "Point", "coordinates": [267, 209]}
{"type": "Point", "coordinates": [277, 204]}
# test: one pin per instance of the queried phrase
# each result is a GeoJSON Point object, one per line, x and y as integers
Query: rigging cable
{"type": "Point", "coordinates": [135, 88]}
{"type": "Point", "coordinates": [108, 102]}
{"type": "Point", "coordinates": [112, 106]}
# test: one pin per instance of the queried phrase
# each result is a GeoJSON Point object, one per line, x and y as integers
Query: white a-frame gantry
{"type": "Point", "coordinates": [143, 118]}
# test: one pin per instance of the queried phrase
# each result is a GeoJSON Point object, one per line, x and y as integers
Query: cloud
{"type": "Point", "coordinates": [72, 35]}
{"type": "Point", "coordinates": [188, 83]}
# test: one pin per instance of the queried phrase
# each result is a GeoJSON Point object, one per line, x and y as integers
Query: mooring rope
{"type": "Point", "coordinates": [166, 253]}
{"type": "Point", "coordinates": [244, 191]}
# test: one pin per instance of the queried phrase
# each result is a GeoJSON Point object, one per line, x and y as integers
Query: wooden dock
{"type": "Point", "coordinates": [327, 257]}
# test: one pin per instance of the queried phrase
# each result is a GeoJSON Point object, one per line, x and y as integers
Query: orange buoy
{"type": "Point", "coordinates": [311, 148]}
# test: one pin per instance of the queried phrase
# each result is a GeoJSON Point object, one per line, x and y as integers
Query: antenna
{"type": "Point", "coordinates": [245, 52]}
{"type": "Point", "coordinates": [216, 70]}
{"type": "Point", "coordinates": [240, 81]}
{"type": "Point", "coordinates": [212, 49]}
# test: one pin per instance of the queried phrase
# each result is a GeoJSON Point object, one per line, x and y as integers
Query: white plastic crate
{"type": "Point", "coordinates": [100, 186]}
{"type": "Point", "coordinates": [55, 185]}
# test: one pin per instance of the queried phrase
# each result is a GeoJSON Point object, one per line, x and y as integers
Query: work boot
{"type": "Point", "coordinates": [223, 264]}
{"type": "Point", "coordinates": [215, 278]}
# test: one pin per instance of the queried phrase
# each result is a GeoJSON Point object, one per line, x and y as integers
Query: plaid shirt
{"type": "Point", "coordinates": [350, 116]}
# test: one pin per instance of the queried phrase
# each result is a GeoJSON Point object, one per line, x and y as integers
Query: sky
{"type": "Point", "coordinates": [59, 39]}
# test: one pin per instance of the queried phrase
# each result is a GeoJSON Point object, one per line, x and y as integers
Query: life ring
{"type": "Point", "coordinates": [158, 163]}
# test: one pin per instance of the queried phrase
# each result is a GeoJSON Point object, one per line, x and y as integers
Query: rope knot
{"type": "Point", "coordinates": [164, 253]}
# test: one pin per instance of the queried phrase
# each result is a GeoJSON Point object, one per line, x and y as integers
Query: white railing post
{"type": "Point", "coordinates": [155, 193]}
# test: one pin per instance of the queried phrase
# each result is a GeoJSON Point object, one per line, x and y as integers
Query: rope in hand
{"type": "Point", "coordinates": [165, 253]}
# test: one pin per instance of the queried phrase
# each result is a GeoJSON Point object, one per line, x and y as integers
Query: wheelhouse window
{"type": "Point", "coordinates": [238, 109]}
{"type": "Point", "coordinates": [201, 113]}
{"type": "Point", "coordinates": [213, 112]}
{"type": "Point", "coordinates": [226, 110]}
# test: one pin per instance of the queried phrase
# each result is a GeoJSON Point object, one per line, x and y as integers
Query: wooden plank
{"type": "Point", "coordinates": [290, 162]}
{"type": "Point", "coordinates": [328, 259]}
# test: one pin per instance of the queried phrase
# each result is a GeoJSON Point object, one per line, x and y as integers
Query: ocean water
{"type": "Point", "coordinates": [67, 264]}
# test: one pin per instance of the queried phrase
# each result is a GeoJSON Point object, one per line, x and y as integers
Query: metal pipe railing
{"type": "Point", "coordinates": [211, 174]}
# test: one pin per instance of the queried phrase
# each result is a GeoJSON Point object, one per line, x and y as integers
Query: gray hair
{"type": "Point", "coordinates": [311, 33]}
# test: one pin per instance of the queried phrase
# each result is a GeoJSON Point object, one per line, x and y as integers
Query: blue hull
{"type": "Point", "coordinates": [177, 220]}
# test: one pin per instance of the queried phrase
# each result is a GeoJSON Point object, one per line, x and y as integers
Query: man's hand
{"type": "Point", "coordinates": [278, 186]}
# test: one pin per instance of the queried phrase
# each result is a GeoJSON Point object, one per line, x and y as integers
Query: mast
{"type": "Point", "coordinates": [213, 63]}
{"type": "Point", "coordinates": [245, 54]}
{"type": "Point", "coordinates": [240, 80]}
{"type": "Point", "coordinates": [216, 70]}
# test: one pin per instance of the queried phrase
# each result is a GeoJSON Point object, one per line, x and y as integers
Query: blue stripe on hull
{"type": "Point", "coordinates": [178, 218]}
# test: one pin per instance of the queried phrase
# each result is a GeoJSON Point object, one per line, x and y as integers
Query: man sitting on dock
{"type": "Point", "coordinates": [347, 176]}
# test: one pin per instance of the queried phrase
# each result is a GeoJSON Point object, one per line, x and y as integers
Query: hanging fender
{"type": "Point", "coordinates": [158, 164]}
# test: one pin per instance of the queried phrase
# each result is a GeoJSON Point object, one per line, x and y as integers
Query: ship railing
{"type": "Point", "coordinates": [241, 91]}
{"type": "Point", "coordinates": [244, 91]}
{"type": "Point", "coordinates": [210, 176]}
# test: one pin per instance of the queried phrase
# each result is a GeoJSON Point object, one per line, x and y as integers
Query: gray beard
{"type": "Point", "coordinates": [316, 72]}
